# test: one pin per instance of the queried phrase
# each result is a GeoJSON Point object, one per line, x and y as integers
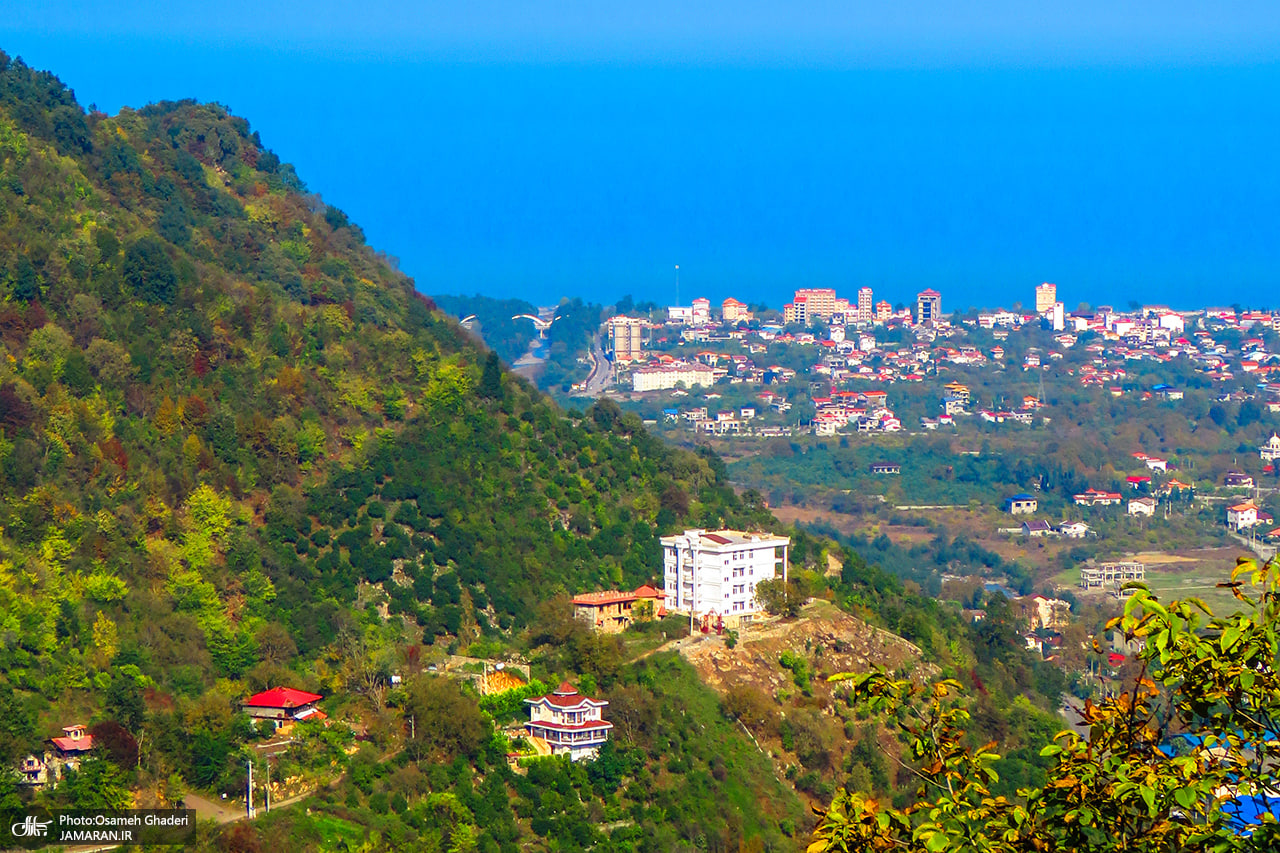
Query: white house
{"type": "Point", "coordinates": [1270, 451]}
{"type": "Point", "coordinates": [1242, 515]}
{"type": "Point", "coordinates": [1142, 506]}
{"type": "Point", "coordinates": [1074, 529]}
{"type": "Point", "coordinates": [713, 575]}
{"type": "Point", "coordinates": [571, 724]}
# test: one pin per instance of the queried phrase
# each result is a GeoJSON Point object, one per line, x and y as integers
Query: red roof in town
{"type": "Point", "coordinates": [282, 697]}
{"type": "Point", "coordinates": [1115, 658]}
{"type": "Point", "coordinates": [647, 591]}
{"type": "Point", "coordinates": [719, 540]}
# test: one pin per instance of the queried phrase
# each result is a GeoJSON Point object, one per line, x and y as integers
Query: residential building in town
{"type": "Point", "coordinates": [701, 311]}
{"type": "Point", "coordinates": [1237, 479]}
{"type": "Point", "coordinates": [1270, 451]}
{"type": "Point", "coordinates": [866, 310]}
{"type": "Point", "coordinates": [733, 311]}
{"type": "Point", "coordinates": [883, 311]}
{"type": "Point", "coordinates": [1021, 505]}
{"type": "Point", "coordinates": [568, 722]}
{"type": "Point", "coordinates": [614, 610]}
{"type": "Point", "coordinates": [1046, 295]}
{"type": "Point", "coordinates": [928, 306]}
{"type": "Point", "coordinates": [626, 338]}
{"type": "Point", "coordinates": [713, 575]}
{"type": "Point", "coordinates": [1111, 574]}
{"type": "Point", "coordinates": [671, 376]}
{"type": "Point", "coordinates": [820, 302]}
{"type": "Point", "coordinates": [680, 315]}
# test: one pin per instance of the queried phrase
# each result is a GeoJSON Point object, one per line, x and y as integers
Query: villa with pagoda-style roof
{"type": "Point", "coordinates": [568, 722]}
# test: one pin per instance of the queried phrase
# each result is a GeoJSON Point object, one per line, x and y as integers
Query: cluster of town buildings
{"type": "Point", "coordinates": [850, 352]}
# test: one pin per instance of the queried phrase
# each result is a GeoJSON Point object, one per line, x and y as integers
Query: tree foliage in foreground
{"type": "Point", "coordinates": [1171, 763]}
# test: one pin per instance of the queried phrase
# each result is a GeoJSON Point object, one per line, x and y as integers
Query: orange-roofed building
{"type": "Point", "coordinates": [612, 610]}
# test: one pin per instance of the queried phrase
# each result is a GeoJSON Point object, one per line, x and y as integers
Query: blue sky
{"type": "Point", "coordinates": [1124, 150]}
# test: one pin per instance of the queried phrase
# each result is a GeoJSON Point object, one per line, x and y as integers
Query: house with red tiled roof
{"type": "Point", "coordinates": [1242, 515]}
{"type": "Point", "coordinates": [568, 722]}
{"type": "Point", "coordinates": [613, 610]}
{"type": "Point", "coordinates": [284, 706]}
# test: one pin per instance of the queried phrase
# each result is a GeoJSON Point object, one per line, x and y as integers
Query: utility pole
{"type": "Point", "coordinates": [266, 792]}
{"type": "Point", "coordinates": [248, 800]}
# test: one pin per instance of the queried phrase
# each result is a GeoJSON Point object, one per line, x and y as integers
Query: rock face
{"type": "Point", "coordinates": [830, 640]}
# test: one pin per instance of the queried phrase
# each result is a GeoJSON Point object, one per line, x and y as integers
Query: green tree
{"type": "Point", "coordinates": [17, 727]}
{"type": "Point", "coordinates": [98, 784]}
{"type": "Point", "coordinates": [443, 722]}
{"type": "Point", "coordinates": [1165, 764]}
{"type": "Point", "coordinates": [149, 271]}
{"type": "Point", "coordinates": [491, 378]}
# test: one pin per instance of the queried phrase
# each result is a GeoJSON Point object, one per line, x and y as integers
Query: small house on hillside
{"type": "Point", "coordinates": [886, 468]}
{"type": "Point", "coordinates": [1021, 505]}
{"type": "Point", "coordinates": [1142, 506]}
{"type": "Point", "coordinates": [1036, 528]}
{"type": "Point", "coordinates": [74, 743]}
{"type": "Point", "coordinates": [284, 706]}
{"type": "Point", "coordinates": [1237, 479]}
{"type": "Point", "coordinates": [568, 722]}
{"type": "Point", "coordinates": [1242, 515]}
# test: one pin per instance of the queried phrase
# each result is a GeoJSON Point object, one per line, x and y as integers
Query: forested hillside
{"type": "Point", "coordinates": [226, 423]}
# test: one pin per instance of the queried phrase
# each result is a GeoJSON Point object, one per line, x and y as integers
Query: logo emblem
{"type": "Point", "coordinates": [30, 827]}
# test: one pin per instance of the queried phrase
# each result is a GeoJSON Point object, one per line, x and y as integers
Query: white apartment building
{"type": "Point", "coordinates": [672, 375]}
{"type": "Point", "coordinates": [714, 574]}
{"type": "Point", "coordinates": [866, 311]}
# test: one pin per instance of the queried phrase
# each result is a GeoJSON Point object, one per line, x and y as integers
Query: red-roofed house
{"type": "Point", "coordinates": [75, 741]}
{"type": "Point", "coordinates": [284, 705]}
{"type": "Point", "coordinates": [569, 723]}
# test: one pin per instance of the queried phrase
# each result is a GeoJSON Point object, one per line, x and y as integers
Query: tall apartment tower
{"type": "Point", "coordinates": [626, 337]}
{"type": "Point", "coordinates": [928, 306]}
{"type": "Point", "coordinates": [866, 311]}
{"type": "Point", "coordinates": [1046, 295]}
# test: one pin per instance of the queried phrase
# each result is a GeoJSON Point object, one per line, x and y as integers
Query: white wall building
{"type": "Point", "coordinates": [714, 574]}
{"type": "Point", "coordinates": [669, 376]}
